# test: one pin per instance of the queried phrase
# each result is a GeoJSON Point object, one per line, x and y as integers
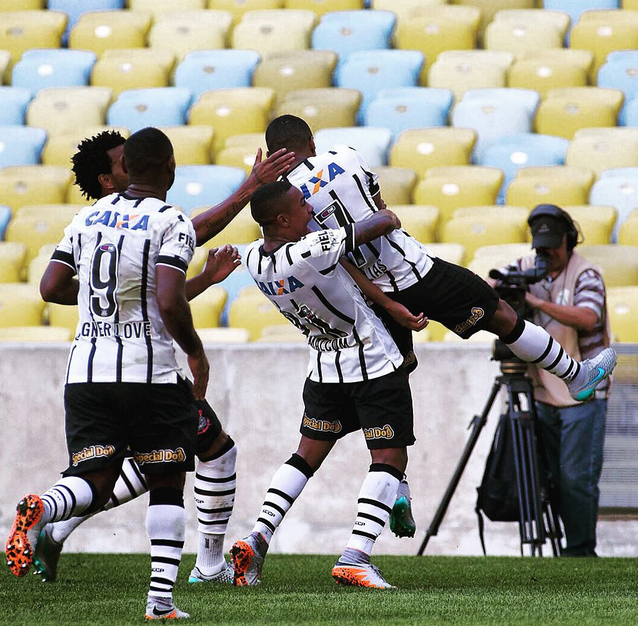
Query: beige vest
{"type": "Point", "coordinates": [547, 387]}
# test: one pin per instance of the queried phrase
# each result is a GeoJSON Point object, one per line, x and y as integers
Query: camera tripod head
{"type": "Point", "coordinates": [511, 365]}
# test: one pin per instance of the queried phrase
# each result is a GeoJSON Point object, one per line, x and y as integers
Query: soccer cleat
{"type": "Point", "coordinates": [593, 372]}
{"type": "Point", "coordinates": [47, 555]}
{"type": "Point", "coordinates": [248, 558]}
{"type": "Point", "coordinates": [18, 549]}
{"type": "Point", "coordinates": [363, 575]}
{"type": "Point", "coordinates": [224, 576]}
{"type": "Point", "coordinates": [156, 609]}
{"type": "Point", "coordinates": [402, 522]}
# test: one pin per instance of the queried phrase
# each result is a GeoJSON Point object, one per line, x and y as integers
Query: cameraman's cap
{"type": "Point", "coordinates": [547, 231]}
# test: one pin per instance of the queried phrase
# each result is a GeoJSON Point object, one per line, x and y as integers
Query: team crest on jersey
{"type": "Point", "coordinates": [317, 182]}
{"type": "Point", "coordinates": [280, 287]}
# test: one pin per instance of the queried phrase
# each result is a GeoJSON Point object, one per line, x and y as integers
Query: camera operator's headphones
{"type": "Point", "coordinates": [552, 210]}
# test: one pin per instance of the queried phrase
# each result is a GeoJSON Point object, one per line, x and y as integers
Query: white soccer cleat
{"type": "Point", "coordinates": [363, 575]}
{"type": "Point", "coordinates": [224, 576]}
{"type": "Point", "coordinates": [592, 372]}
{"type": "Point", "coordinates": [248, 559]}
{"type": "Point", "coordinates": [156, 609]}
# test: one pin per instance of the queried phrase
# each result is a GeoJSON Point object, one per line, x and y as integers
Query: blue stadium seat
{"type": "Point", "coordinates": [620, 71]}
{"type": "Point", "coordinates": [510, 153]}
{"type": "Point", "coordinates": [384, 19]}
{"type": "Point", "coordinates": [5, 217]}
{"type": "Point", "coordinates": [631, 172]}
{"type": "Point", "coordinates": [371, 71]}
{"type": "Point", "coordinates": [620, 192]}
{"type": "Point", "coordinates": [137, 108]}
{"type": "Point", "coordinates": [203, 185]}
{"type": "Point", "coordinates": [13, 105]}
{"type": "Point", "coordinates": [630, 113]}
{"type": "Point", "coordinates": [372, 143]}
{"type": "Point", "coordinates": [202, 70]}
{"type": "Point", "coordinates": [575, 7]}
{"type": "Point", "coordinates": [41, 68]}
{"type": "Point", "coordinates": [21, 145]}
{"type": "Point", "coordinates": [75, 8]}
{"type": "Point", "coordinates": [434, 95]}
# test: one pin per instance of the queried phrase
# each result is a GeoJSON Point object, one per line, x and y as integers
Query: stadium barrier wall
{"type": "Point", "coordinates": [256, 391]}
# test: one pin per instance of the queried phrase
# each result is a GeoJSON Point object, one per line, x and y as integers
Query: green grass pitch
{"type": "Point", "coordinates": [98, 589]}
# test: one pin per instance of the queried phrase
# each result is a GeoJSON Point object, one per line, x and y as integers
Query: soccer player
{"type": "Point", "coordinates": [342, 190]}
{"type": "Point", "coordinates": [98, 172]}
{"type": "Point", "coordinates": [124, 389]}
{"type": "Point", "coordinates": [356, 379]}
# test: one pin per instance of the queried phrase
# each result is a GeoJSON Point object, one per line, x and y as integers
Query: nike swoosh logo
{"type": "Point", "coordinates": [161, 613]}
{"type": "Point", "coordinates": [601, 374]}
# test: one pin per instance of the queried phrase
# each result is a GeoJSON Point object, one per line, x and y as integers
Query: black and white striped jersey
{"type": "Point", "coordinates": [114, 247]}
{"type": "Point", "coordinates": [303, 279]}
{"type": "Point", "coordinates": [340, 188]}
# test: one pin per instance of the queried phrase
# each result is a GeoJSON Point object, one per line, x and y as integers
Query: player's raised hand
{"type": "Point", "coordinates": [403, 316]}
{"type": "Point", "coordinates": [273, 167]}
{"type": "Point", "coordinates": [221, 262]}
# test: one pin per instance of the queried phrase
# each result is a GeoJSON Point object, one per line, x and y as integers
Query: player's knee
{"type": "Point", "coordinates": [394, 457]}
{"type": "Point", "coordinates": [503, 321]}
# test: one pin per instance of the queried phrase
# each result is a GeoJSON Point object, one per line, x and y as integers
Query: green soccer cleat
{"type": "Point", "coordinates": [402, 522]}
{"type": "Point", "coordinates": [47, 555]}
{"type": "Point", "coordinates": [593, 371]}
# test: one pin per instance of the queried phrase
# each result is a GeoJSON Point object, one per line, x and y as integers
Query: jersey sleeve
{"type": "Point", "coordinates": [324, 248]}
{"type": "Point", "coordinates": [371, 179]}
{"type": "Point", "coordinates": [178, 244]}
{"type": "Point", "coordinates": [63, 252]}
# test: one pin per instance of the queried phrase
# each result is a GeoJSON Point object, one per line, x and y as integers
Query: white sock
{"type": "Point", "coordinates": [404, 490]}
{"type": "Point", "coordinates": [166, 529]}
{"type": "Point", "coordinates": [215, 482]}
{"type": "Point", "coordinates": [69, 497]}
{"type": "Point", "coordinates": [285, 487]}
{"type": "Point", "coordinates": [536, 345]}
{"type": "Point", "coordinates": [378, 494]}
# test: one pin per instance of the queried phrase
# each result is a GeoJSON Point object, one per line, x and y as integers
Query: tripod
{"type": "Point", "coordinates": [537, 519]}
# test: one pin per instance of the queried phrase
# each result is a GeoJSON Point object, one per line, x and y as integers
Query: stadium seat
{"type": "Point", "coordinates": [22, 5]}
{"type": "Point", "coordinates": [75, 8]}
{"type": "Point", "coordinates": [600, 154]}
{"type": "Point", "coordinates": [238, 8]}
{"type": "Point", "coordinates": [241, 157]}
{"type": "Point", "coordinates": [5, 61]}
{"type": "Point", "coordinates": [495, 213]}
{"type": "Point", "coordinates": [558, 19]}
{"type": "Point", "coordinates": [20, 305]}
{"type": "Point", "coordinates": [495, 113]}
{"type": "Point", "coordinates": [372, 143]}
{"type": "Point", "coordinates": [223, 335]}
{"type": "Point", "coordinates": [595, 222]}
{"type": "Point", "coordinates": [420, 221]}
{"type": "Point", "coordinates": [422, 149]}
{"type": "Point", "coordinates": [252, 141]}
{"type": "Point", "coordinates": [621, 192]}
{"type": "Point", "coordinates": [232, 112]}
{"type": "Point", "coordinates": [253, 311]}
{"type": "Point", "coordinates": [574, 8]}
{"type": "Point", "coordinates": [523, 34]}
{"type": "Point", "coordinates": [370, 72]}
{"type": "Point", "coordinates": [202, 70]}
{"type": "Point", "coordinates": [490, 8]}
{"type": "Point", "coordinates": [450, 252]}
{"type": "Point", "coordinates": [374, 18]}
{"type": "Point", "coordinates": [618, 264]}
{"type": "Point", "coordinates": [32, 184]}
{"type": "Point", "coordinates": [290, 71]}
{"type": "Point", "coordinates": [561, 185]}
{"type": "Point", "coordinates": [192, 145]}
{"type": "Point", "coordinates": [543, 74]}
{"type": "Point", "coordinates": [12, 255]}
{"type": "Point", "coordinates": [396, 183]}
{"type": "Point", "coordinates": [411, 107]}
{"type": "Point", "coordinates": [62, 211]}
{"type": "Point", "coordinates": [102, 30]}
{"type": "Point", "coordinates": [121, 74]}
{"type": "Point", "coordinates": [628, 232]}
{"type": "Point", "coordinates": [573, 56]}
{"type": "Point", "coordinates": [37, 334]}
{"type": "Point", "coordinates": [165, 57]}
{"type": "Point", "coordinates": [23, 30]}
{"type": "Point", "coordinates": [630, 113]}
{"type": "Point", "coordinates": [497, 256]}
{"type": "Point", "coordinates": [611, 97]}
{"type": "Point", "coordinates": [208, 306]}
{"type": "Point", "coordinates": [203, 185]}
{"type": "Point", "coordinates": [5, 217]}
{"type": "Point", "coordinates": [37, 267]}
{"type": "Point", "coordinates": [62, 110]}
{"type": "Point", "coordinates": [513, 152]}
{"type": "Point", "coordinates": [158, 8]}
{"type": "Point", "coordinates": [620, 71]}
{"type": "Point", "coordinates": [281, 333]}
{"type": "Point", "coordinates": [184, 32]}
{"type": "Point", "coordinates": [137, 108]}
{"type": "Point", "coordinates": [322, 108]}
{"type": "Point", "coordinates": [320, 7]}
{"type": "Point", "coordinates": [453, 187]}
{"type": "Point", "coordinates": [59, 149]}
{"type": "Point", "coordinates": [21, 145]}
{"type": "Point", "coordinates": [355, 31]}
{"type": "Point", "coordinates": [405, 9]}
{"type": "Point", "coordinates": [40, 68]}
{"type": "Point", "coordinates": [273, 31]}
{"type": "Point", "coordinates": [63, 316]}
{"type": "Point", "coordinates": [622, 307]}
{"type": "Point", "coordinates": [240, 231]}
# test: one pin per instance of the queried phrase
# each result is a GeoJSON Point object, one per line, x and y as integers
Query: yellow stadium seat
{"type": "Point", "coordinates": [197, 262]}
{"type": "Point", "coordinates": [20, 305]}
{"type": "Point", "coordinates": [434, 32]}
{"type": "Point", "coordinates": [183, 32]}
{"type": "Point", "coordinates": [59, 149]}
{"type": "Point", "coordinates": [63, 211]}
{"type": "Point", "coordinates": [396, 183]}
{"type": "Point", "coordinates": [239, 7]}
{"type": "Point", "coordinates": [474, 232]}
{"type": "Point", "coordinates": [233, 111]}
{"type": "Point", "coordinates": [618, 263]}
{"type": "Point", "coordinates": [422, 149]}
{"type": "Point", "coordinates": [122, 74]}
{"type": "Point", "coordinates": [481, 337]}
{"type": "Point", "coordinates": [595, 222]}
{"type": "Point", "coordinates": [243, 229]}
{"type": "Point", "coordinates": [30, 184]}
{"type": "Point", "coordinates": [322, 108]}
{"type": "Point", "coordinates": [482, 265]}
{"type": "Point", "coordinates": [563, 117]}
{"type": "Point", "coordinates": [495, 212]}
{"type": "Point", "coordinates": [22, 30]}
{"type": "Point", "coordinates": [629, 4]}
{"type": "Point", "coordinates": [12, 255]}
{"type": "Point", "coordinates": [523, 35]}
{"type": "Point", "coordinates": [192, 144]}
{"type": "Point", "coordinates": [419, 221]}
{"type": "Point", "coordinates": [273, 31]}
{"type": "Point", "coordinates": [254, 312]}
{"type": "Point", "coordinates": [22, 5]}
{"type": "Point", "coordinates": [251, 141]}
{"type": "Point", "coordinates": [289, 71]}
{"type": "Point", "coordinates": [582, 58]}
{"type": "Point", "coordinates": [406, 8]}
{"type": "Point", "coordinates": [450, 252]}
{"type": "Point", "coordinates": [558, 19]}
{"type": "Point", "coordinates": [223, 335]}
{"type": "Point", "coordinates": [165, 57]}
{"type": "Point", "coordinates": [503, 253]}
{"type": "Point", "coordinates": [37, 267]}
{"type": "Point", "coordinates": [243, 158]}
{"type": "Point", "coordinates": [281, 333]}
{"type": "Point", "coordinates": [561, 185]}
{"type": "Point", "coordinates": [602, 32]}
{"type": "Point", "coordinates": [450, 188]}
{"type": "Point", "coordinates": [613, 98]}
{"type": "Point", "coordinates": [208, 306]}
{"type": "Point", "coordinates": [61, 110]}
{"type": "Point", "coordinates": [628, 233]}
{"type": "Point", "coordinates": [622, 307]}
{"type": "Point", "coordinates": [158, 8]}
{"type": "Point", "coordinates": [543, 74]}
{"type": "Point", "coordinates": [35, 334]}
{"type": "Point", "coordinates": [324, 6]}
{"type": "Point", "coordinates": [101, 30]}
{"type": "Point", "coordinates": [291, 16]}
{"type": "Point", "coordinates": [435, 333]}
{"type": "Point", "coordinates": [490, 8]}
{"type": "Point", "coordinates": [599, 154]}
{"type": "Point", "coordinates": [63, 316]}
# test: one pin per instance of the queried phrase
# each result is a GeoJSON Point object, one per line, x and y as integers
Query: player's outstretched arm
{"type": "Point", "coordinates": [177, 318]}
{"type": "Point", "coordinates": [220, 263]}
{"type": "Point", "coordinates": [381, 223]}
{"type": "Point", "coordinates": [213, 221]}
{"type": "Point", "coordinates": [59, 285]}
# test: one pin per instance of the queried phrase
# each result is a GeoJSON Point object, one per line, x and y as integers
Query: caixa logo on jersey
{"type": "Point", "coordinates": [317, 182]}
{"type": "Point", "coordinates": [280, 287]}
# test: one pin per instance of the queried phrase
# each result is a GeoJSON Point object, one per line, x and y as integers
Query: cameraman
{"type": "Point", "coordinates": [569, 302]}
